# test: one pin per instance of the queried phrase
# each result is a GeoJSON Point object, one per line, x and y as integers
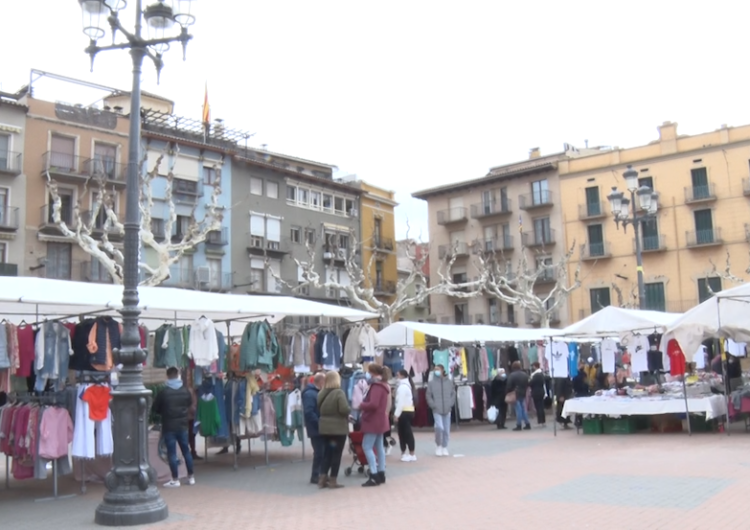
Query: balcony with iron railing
{"type": "Point", "coordinates": [8, 269]}
{"type": "Point", "coordinates": [382, 244]}
{"type": "Point", "coordinates": [493, 208]}
{"type": "Point", "coordinates": [598, 250]}
{"type": "Point", "coordinates": [11, 163]}
{"type": "Point", "coordinates": [703, 238]}
{"type": "Point", "coordinates": [547, 274]}
{"type": "Point", "coordinates": [655, 243]}
{"type": "Point", "coordinates": [67, 166]}
{"type": "Point", "coordinates": [157, 228]}
{"type": "Point", "coordinates": [533, 319]}
{"type": "Point", "coordinates": [335, 253]}
{"type": "Point", "coordinates": [180, 277]}
{"type": "Point", "coordinates": [702, 193]}
{"type": "Point", "coordinates": [451, 215]}
{"type": "Point", "coordinates": [457, 249]}
{"type": "Point", "coordinates": [94, 272]}
{"type": "Point", "coordinates": [216, 282]}
{"type": "Point", "coordinates": [215, 239]}
{"type": "Point", "coordinates": [186, 191]}
{"type": "Point", "coordinates": [501, 244]}
{"type": "Point", "coordinates": [540, 238]}
{"type": "Point", "coordinates": [538, 199]}
{"type": "Point", "coordinates": [8, 219]}
{"type": "Point", "coordinates": [260, 246]}
{"type": "Point", "coordinates": [591, 210]}
{"type": "Point", "coordinates": [384, 288]}
{"type": "Point", "coordinates": [47, 223]}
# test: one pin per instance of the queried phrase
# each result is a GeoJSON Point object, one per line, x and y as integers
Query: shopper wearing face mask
{"type": "Point", "coordinates": [441, 396]}
{"type": "Point", "coordinates": [374, 422]}
{"type": "Point", "coordinates": [404, 414]}
{"type": "Point", "coordinates": [497, 391]}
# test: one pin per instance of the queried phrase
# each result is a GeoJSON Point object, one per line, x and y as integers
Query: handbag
{"type": "Point", "coordinates": [492, 414]}
{"type": "Point", "coordinates": [510, 399]}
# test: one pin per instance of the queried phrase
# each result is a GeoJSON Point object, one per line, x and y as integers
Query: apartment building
{"type": "Point", "coordinates": [404, 248]}
{"type": "Point", "coordinates": [70, 144]}
{"type": "Point", "coordinates": [703, 185]}
{"type": "Point", "coordinates": [514, 208]}
{"type": "Point", "coordinates": [200, 162]}
{"type": "Point", "coordinates": [283, 205]}
{"type": "Point", "coordinates": [378, 235]}
{"type": "Point", "coordinates": [12, 184]}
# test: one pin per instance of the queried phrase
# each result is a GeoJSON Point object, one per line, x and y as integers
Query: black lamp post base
{"type": "Point", "coordinates": [128, 509]}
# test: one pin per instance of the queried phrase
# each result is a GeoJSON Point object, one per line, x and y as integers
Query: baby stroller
{"type": "Point", "coordinates": [356, 451]}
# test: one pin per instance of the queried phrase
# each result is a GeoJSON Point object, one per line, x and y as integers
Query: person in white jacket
{"type": "Point", "coordinates": [404, 414]}
{"type": "Point", "coordinates": [203, 347]}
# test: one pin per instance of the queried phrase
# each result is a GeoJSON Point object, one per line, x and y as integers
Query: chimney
{"type": "Point", "coordinates": [534, 153]}
{"type": "Point", "coordinates": [667, 131]}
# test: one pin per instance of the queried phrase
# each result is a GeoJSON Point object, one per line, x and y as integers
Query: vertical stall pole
{"type": "Point", "coordinates": [687, 408]}
{"type": "Point", "coordinates": [723, 364]}
{"type": "Point", "coordinates": [554, 390]}
{"type": "Point", "coordinates": [7, 472]}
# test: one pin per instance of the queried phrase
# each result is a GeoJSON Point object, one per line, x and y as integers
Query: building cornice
{"type": "Point", "coordinates": [78, 125]}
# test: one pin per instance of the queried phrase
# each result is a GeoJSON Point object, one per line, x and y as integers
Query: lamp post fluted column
{"type": "Point", "coordinates": [132, 497]}
{"type": "Point", "coordinates": [638, 253]}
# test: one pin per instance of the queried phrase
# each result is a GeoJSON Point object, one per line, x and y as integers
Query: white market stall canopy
{"type": "Point", "coordinates": [725, 315]}
{"type": "Point", "coordinates": [615, 321]}
{"type": "Point", "coordinates": [402, 333]}
{"type": "Point", "coordinates": [26, 297]}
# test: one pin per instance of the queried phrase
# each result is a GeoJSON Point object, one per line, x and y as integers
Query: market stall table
{"type": "Point", "coordinates": [712, 406]}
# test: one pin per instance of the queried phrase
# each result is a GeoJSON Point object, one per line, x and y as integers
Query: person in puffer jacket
{"type": "Point", "coordinates": [441, 396]}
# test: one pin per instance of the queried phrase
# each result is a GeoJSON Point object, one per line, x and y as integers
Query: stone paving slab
{"type": "Point", "coordinates": [513, 480]}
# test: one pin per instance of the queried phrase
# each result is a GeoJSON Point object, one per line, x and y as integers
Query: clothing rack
{"type": "Point", "coordinates": [89, 377]}
{"type": "Point", "coordinates": [47, 398]}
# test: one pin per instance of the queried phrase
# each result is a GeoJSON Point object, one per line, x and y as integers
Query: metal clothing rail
{"type": "Point", "coordinates": [56, 398]}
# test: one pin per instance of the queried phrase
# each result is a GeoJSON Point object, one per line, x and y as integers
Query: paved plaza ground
{"type": "Point", "coordinates": [494, 479]}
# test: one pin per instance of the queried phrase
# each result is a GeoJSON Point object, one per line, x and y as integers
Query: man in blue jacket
{"type": "Point", "coordinates": [312, 415]}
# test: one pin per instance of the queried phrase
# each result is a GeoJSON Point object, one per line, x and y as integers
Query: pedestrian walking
{"type": "Point", "coordinates": [374, 422]}
{"type": "Point", "coordinates": [518, 384]}
{"type": "Point", "coordinates": [404, 414]}
{"type": "Point", "coordinates": [333, 427]}
{"type": "Point", "coordinates": [441, 396]}
{"type": "Point", "coordinates": [312, 417]}
{"type": "Point", "coordinates": [173, 404]}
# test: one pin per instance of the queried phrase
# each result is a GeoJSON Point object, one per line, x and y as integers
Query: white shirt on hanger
{"type": "Point", "coordinates": [735, 348]}
{"type": "Point", "coordinates": [639, 348]}
{"type": "Point", "coordinates": [556, 354]}
{"type": "Point", "coordinates": [608, 350]}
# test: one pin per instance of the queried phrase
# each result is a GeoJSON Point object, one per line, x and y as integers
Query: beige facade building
{"type": "Point", "coordinates": [70, 144]}
{"type": "Point", "coordinates": [513, 206]}
{"type": "Point", "coordinates": [12, 183]}
{"type": "Point", "coordinates": [703, 184]}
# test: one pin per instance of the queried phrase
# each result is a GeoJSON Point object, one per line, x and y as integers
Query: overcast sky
{"type": "Point", "coordinates": [410, 94]}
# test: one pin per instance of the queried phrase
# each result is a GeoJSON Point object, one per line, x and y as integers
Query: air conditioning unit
{"type": "Point", "coordinates": [341, 253]}
{"type": "Point", "coordinates": [354, 212]}
{"type": "Point", "coordinates": [203, 275]}
{"type": "Point", "coordinates": [327, 255]}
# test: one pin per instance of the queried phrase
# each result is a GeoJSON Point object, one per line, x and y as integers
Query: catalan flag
{"type": "Point", "coordinates": [206, 108]}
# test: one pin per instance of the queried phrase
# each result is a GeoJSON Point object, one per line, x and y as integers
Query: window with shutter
{"type": "Point", "coordinates": [600, 298]}
{"type": "Point", "coordinates": [62, 156]}
{"type": "Point", "coordinates": [256, 186]}
{"type": "Point", "coordinates": [58, 265]}
{"type": "Point", "coordinates": [704, 227]}
{"type": "Point", "coordinates": [707, 287]}
{"type": "Point", "coordinates": [650, 234]}
{"type": "Point", "coordinates": [655, 299]}
{"type": "Point", "coordinates": [596, 240]}
{"type": "Point", "coordinates": [699, 178]}
{"type": "Point", "coordinates": [593, 205]}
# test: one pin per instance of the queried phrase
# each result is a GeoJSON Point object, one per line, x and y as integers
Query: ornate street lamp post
{"type": "Point", "coordinates": [132, 497]}
{"type": "Point", "coordinates": [620, 205]}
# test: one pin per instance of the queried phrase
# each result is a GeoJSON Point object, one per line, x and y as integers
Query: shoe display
{"type": "Point", "coordinates": [172, 484]}
{"type": "Point", "coordinates": [191, 481]}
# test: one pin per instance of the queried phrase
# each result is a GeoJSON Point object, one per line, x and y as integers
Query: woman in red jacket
{"type": "Point", "coordinates": [374, 422]}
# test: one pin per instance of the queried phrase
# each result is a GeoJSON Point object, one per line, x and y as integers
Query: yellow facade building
{"type": "Point", "coordinates": [703, 187]}
{"type": "Point", "coordinates": [378, 238]}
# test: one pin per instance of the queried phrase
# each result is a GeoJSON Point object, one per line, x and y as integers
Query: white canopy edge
{"type": "Point", "coordinates": [27, 298]}
{"type": "Point", "coordinates": [614, 321]}
{"type": "Point", "coordinates": [402, 333]}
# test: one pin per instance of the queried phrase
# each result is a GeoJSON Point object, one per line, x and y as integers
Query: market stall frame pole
{"type": "Point", "coordinates": [723, 363]}
{"type": "Point", "coordinates": [132, 497]}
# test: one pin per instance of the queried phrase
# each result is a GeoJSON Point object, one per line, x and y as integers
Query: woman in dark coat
{"type": "Point", "coordinates": [538, 385]}
{"type": "Point", "coordinates": [497, 391]}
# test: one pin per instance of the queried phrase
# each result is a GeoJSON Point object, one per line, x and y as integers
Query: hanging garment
{"type": "Point", "coordinates": [207, 415]}
{"type": "Point", "coordinates": [676, 358]}
{"type": "Point", "coordinates": [55, 433]}
{"type": "Point", "coordinates": [441, 357]}
{"type": "Point", "coordinates": [556, 354]}
{"type": "Point", "coordinates": [464, 398]}
{"type": "Point", "coordinates": [608, 351]}
{"type": "Point", "coordinates": [103, 338]}
{"type": "Point", "coordinates": [639, 348]}
{"type": "Point", "coordinates": [25, 334]}
{"type": "Point", "coordinates": [573, 359]}
{"type": "Point", "coordinates": [202, 344]}
{"type": "Point", "coordinates": [81, 357]}
{"type": "Point", "coordinates": [97, 397]}
{"type": "Point", "coordinates": [52, 355]}
{"type": "Point", "coordinates": [738, 349]}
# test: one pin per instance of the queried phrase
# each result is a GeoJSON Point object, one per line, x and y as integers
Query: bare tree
{"type": "Point", "coordinates": [518, 285]}
{"type": "Point", "coordinates": [362, 291]}
{"type": "Point", "coordinates": [631, 302]}
{"type": "Point", "coordinates": [93, 230]}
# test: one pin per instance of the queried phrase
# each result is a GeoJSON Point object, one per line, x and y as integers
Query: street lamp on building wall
{"type": "Point", "coordinates": [132, 497]}
{"type": "Point", "coordinates": [644, 210]}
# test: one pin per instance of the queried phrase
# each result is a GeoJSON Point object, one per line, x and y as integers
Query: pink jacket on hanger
{"type": "Point", "coordinates": [55, 433]}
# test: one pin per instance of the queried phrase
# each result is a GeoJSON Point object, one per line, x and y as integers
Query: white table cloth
{"type": "Point", "coordinates": [711, 406]}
